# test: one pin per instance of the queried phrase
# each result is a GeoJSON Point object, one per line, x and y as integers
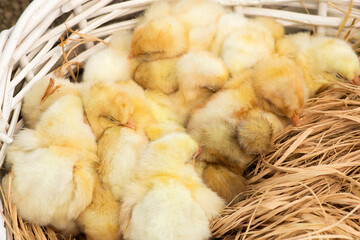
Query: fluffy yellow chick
{"type": "Point", "coordinates": [106, 106]}
{"type": "Point", "coordinates": [242, 42]}
{"type": "Point", "coordinates": [163, 110]}
{"type": "Point", "coordinates": [100, 220]}
{"type": "Point", "coordinates": [324, 60]}
{"type": "Point", "coordinates": [200, 74]}
{"type": "Point", "coordinates": [167, 199]}
{"type": "Point", "coordinates": [111, 64]}
{"type": "Point", "coordinates": [119, 151]}
{"type": "Point", "coordinates": [200, 19]}
{"type": "Point", "coordinates": [159, 38]}
{"type": "Point", "coordinates": [120, 144]}
{"type": "Point", "coordinates": [279, 84]}
{"type": "Point", "coordinates": [53, 166]}
{"type": "Point", "coordinates": [42, 95]}
{"type": "Point", "coordinates": [158, 75]}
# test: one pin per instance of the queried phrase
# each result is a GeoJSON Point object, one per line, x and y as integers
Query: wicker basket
{"type": "Point", "coordinates": [30, 49]}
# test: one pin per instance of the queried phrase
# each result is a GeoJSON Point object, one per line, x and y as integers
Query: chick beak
{"type": "Point", "coordinates": [131, 55]}
{"type": "Point", "coordinates": [356, 80]}
{"type": "Point", "coordinates": [130, 124]}
{"type": "Point", "coordinates": [295, 119]}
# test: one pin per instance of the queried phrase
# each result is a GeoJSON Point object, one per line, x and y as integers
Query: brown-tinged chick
{"type": "Point", "coordinates": [159, 38]}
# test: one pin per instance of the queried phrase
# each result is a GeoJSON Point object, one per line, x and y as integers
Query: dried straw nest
{"type": "Point", "coordinates": [308, 186]}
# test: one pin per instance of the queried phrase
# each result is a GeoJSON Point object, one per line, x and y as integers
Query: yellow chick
{"type": "Point", "coordinates": [324, 60]}
{"type": "Point", "coordinates": [158, 75]}
{"type": "Point", "coordinates": [200, 19]}
{"type": "Point", "coordinates": [159, 38]}
{"type": "Point", "coordinates": [106, 106]}
{"type": "Point", "coordinates": [119, 151]}
{"type": "Point", "coordinates": [242, 42]}
{"type": "Point", "coordinates": [100, 220]}
{"type": "Point", "coordinates": [279, 84]}
{"type": "Point", "coordinates": [163, 110]}
{"type": "Point", "coordinates": [42, 95]}
{"type": "Point", "coordinates": [53, 166]}
{"type": "Point", "coordinates": [150, 113]}
{"type": "Point", "coordinates": [200, 74]}
{"type": "Point", "coordinates": [167, 199]}
{"type": "Point", "coordinates": [111, 64]}
{"type": "Point", "coordinates": [109, 111]}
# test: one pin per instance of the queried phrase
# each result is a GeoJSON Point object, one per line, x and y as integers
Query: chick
{"type": "Point", "coordinates": [200, 19]}
{"type": "Point", "coordinates": [158, 75]}
{"type": "Point", "coordinates": [324, 60]}
{"type": "Point", "coordinates": [143, 113]}
{"type": "Point", "coordinates": [111, 64]}
{"type": "Point", "coordinates": [224, 182]}
{"type": "Point", "coordinates": [163, 110]}
{"type": "Point", "coordinates": [119, 151]}
{"type": "Point", "coordinates": [279, 84]}
{"type": "Point", "coordinates": [237, 122]}
{"type": "Point", "coordinates": [53, 166]}
{"type": "Point", "coordinates": [167, 199]}
{"type": "Point", "coordinates": [159, 38]}
{"type": "Point", "coordinates": [110, 114]}
{"type": "Point", "coordinates": [100, 220]}
{"type": "Point", "coordinates": [200, 74]}
{"type": "Point", "coordinates": [42, 95]}
{"type": "Point", "coordinates": [107, 106]}
{"type": "Point", "coordinates": [244, 43]}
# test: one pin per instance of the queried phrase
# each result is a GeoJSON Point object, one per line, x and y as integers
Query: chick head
{"type": "Point", "coordinates": [159, 38]}
{"type": "Point", "coordinates": [335, 56]}
{"type": "Point", "coordinates": [279, 86]}
{"type": "Point", "coordinates": [276, 29]}
{"type": "Point", "coordinates": [107, 106]}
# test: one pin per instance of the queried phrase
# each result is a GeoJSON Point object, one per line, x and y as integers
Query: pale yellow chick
{"type": "Point", "coordinates": [100, 220]}
{"type": "Point", "coordinates": [53, 166]}
{"type": "Point", "coordinates": [42, 95]}
{"type": "Point", "coordinates": [242, 42]}
{"type": "Point", "coordinates": [111, 64]}
{"type": "Point", "coordinates": [167, 199]}
{"type": "Point", "coordinates": [200, 74]}
{"type": "Point", "coordinates": [324, 60]}
{"type": "Point", "coordinates": [120, 149]}
{"type": "Point", "coordinates": [200, 18]}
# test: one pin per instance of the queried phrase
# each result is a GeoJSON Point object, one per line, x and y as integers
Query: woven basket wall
{"type": "Point", "coordinates": [30, 49]}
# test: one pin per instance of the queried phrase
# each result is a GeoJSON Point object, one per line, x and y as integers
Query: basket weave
{"type": "Point", "coordinates": [30, 50]}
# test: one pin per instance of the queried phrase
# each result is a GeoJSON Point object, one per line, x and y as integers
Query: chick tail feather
{"type": "Point", "coordinates": [224, 182]}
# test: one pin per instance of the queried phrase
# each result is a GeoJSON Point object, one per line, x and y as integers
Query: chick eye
{"type": "Point", "coordinates": [274, 107]}
{"type": "Point", "coordinates": [210, 89]}
{"type": "Point", "coordinates": [111, 119]}
{"type": "Point", "coordinates": [339, 76]}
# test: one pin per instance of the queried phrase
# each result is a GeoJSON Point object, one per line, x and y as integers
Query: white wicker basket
{"type": "Point", "coordinates": [29, 50]}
